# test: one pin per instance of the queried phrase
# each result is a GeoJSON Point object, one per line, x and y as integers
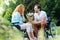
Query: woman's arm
{"type": "Point", "coordinates": [23, 17]}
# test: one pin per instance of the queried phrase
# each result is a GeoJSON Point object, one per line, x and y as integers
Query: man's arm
{"type": "Point", "coordinates": [37, 22]}
{"type": "Point", "coordinates": [43, 20]}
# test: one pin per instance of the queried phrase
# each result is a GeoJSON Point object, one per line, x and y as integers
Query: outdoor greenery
{"type": "Point", "coordinates": [51, 7]}
{"type": "Point", "coordinates": [8, 32]}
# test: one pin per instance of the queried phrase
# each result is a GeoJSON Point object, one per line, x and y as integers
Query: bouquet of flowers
{"type": "Point", "coordinates": [30, 17]}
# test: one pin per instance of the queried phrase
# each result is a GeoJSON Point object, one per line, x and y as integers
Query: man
{"type": "Point", "coordinates": [40, 19]}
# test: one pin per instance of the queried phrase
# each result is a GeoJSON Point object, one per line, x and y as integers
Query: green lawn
{"type": "Point", "coordinates": [57, 37]}
{"type": "Point", "coordinates": [9, 33]}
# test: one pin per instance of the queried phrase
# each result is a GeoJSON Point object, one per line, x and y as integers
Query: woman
{"type": "Point", "coordinates": [18, 18]}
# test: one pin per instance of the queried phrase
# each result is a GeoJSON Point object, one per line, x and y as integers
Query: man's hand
{"type": "Point", "coordinates": [34, 22]}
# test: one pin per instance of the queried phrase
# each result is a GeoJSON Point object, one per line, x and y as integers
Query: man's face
{"type": "Point", "coordinates": [36, 9]}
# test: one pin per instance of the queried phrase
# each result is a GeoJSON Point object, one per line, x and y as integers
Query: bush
{"type": "Point", "coordinates": [8, 33]}
{"type": "Point", "coordinates": [8, 14]}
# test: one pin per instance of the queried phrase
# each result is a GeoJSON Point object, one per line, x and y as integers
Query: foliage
{"type": "Point", "coordinates": [7, 32]}
{"type": "Point", "coordinates": [8, 14]}
{"type": "Point", "coordinates": [51, 7]}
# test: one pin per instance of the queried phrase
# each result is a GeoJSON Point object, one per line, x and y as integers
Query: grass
{"type": "Point", "coordinates": [57, 37]}
{"type": "Point", "coordinates": [8, 33]}
{"type": "Point", "coordinates": [58, 30]}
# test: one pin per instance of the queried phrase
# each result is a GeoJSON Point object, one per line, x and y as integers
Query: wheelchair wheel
{"type": "Point", "coordinates": [53, 29]}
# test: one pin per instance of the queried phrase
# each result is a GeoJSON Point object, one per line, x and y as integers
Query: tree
{"type": "Point", "coordinates": [51, 7]}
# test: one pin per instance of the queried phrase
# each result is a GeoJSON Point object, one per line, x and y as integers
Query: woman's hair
{"type": "Point", "coordinates": [20, 8]}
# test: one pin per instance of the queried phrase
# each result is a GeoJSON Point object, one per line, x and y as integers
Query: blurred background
{"type": "Point", "coordinates": [52, 8]}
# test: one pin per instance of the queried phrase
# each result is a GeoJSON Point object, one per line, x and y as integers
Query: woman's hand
{"type": "Point", "coordinates": [22, 14]}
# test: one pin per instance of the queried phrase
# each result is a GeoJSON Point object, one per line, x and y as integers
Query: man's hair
{"type": "Point", "coordinates": [39, 7]}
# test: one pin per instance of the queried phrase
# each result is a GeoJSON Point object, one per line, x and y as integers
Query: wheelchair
{"type": "Point", "coordinates": [51, 28]}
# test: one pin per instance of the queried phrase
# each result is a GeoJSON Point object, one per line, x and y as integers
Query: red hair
{"type": "Point", "coordinates": [20, 8]}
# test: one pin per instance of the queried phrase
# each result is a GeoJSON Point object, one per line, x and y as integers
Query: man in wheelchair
{"type": "Point", "coordinates": [40, 19]}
